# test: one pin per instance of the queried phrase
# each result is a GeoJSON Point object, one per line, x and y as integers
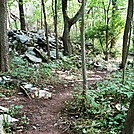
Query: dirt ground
{"type": "Point", "coordinates": [43, 115]}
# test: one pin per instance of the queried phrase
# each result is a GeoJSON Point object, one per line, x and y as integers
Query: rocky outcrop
{"type": "Point", "coordinates": [32, 45]}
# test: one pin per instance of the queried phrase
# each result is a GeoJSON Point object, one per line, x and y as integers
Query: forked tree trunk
{"type": "Point", "coordinates": [4, 64]}
{"type": "Point", "coordinates": [68, 22]}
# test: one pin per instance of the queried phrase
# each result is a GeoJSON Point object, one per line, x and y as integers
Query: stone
{"type": "Point", "coordinates": [22, 38]}
{"type": "Point", "coordinates": [28, 86]}
{"type": "Point", "coordinates": [3, 109]}
{"type": "Point", "coordinates": [43, 94]}
{"type": "Point", "coordinates": [33, 58]}
{"type": "Point", "coordinates": [53, 54]}
{"type": "Point", "coordinates": [38, 53]}
{"type": "Point", "coordinates": [32, 45]}
{"type": "Point", "coordinates": [1, 80]}
{"type": "Point", "coordinates": [7, 78]}
{"type": "Point", "coordinates": [7, 118]}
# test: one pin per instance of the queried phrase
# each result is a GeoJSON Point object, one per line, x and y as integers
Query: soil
{"type": "Point", "coordinates": [43, 115]}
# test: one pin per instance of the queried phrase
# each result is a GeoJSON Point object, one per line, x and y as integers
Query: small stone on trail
{"type": "Point", "coordinates": [7, 118]}
{"type": "Point", "coordinates": [43, 94]}
{"type": "Point", "coordinates": [3, 109]}
{"type": "Point", "coordinates": [28, 86]}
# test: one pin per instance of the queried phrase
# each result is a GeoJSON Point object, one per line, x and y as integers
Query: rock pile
{"type": "Point", "coordinates": [32, 45]}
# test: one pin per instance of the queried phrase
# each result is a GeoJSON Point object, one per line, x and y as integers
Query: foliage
{"type": "Point", "coordinates": [13, 110]}
{"type": "Point", "coordinates": [105, 106]}
{"type": "Point", "coordinates": [71, 62]}
{"type": "Point", "coordinates": [39, 74]}
{"type": "Point", "coordinates": [106, 24]}
{"type": "Point", "coordinates": [24, 120]}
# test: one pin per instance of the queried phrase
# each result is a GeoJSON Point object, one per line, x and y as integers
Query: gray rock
{"type": "Point", "coordinates": [41, 31]}
{"type": "Point", "coordinates": [39, 53]}
{"type": "Point", "coordinates": [3, 109]}
{"type": "Point", "coordinates": [7, 78]}
{"type": "Point", "coordinates": [22, 38]}
{"type": "Point", "coordinates": [7, 118]}
{"type": "Point", "coordinates": [1, 79]}
{"type": "Point", "coordinates": [15, 42]}
{"type": "Point", "coordinates": [53, 54]}
{"type": "Point", "coordinates": [52, 39]}
{"type": "Point", "coordinates": [28, 86]}
{"type": "Point", "coordinates": [33, 58]}
{"type": "Point", "coordinates": [30, 48]}
{"type": "Point", "coordinates": [32, 53]}
{"type": "Point", "coordinates": [43, 94]}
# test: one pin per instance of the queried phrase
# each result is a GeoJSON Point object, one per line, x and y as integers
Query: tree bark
{"type": "Point", "coordinates": [4, 63]}
{"type": "Point", "coordinates": [114, 9]}
{"type": "Point", "coordinates": [106, 11]}
{"type": "Point", "coordinates": [83, 48]}
{"type": "Point", "coordinates": [46, 28]}
{"type": "Point", "coordinates": [55, 26]}
{"type": "Point", "coordinates": [129, 124]}
{"type": "Point", "coordinates": [68, 22]}
{"type": "Point", "coordinates": [126, 33]}
{"type": "Point", "coordinates": [22, 16]}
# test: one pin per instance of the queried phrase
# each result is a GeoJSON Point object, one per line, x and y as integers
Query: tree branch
{"type": "Point", "coordinates": [77, 16]}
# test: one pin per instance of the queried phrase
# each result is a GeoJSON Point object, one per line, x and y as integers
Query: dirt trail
{"type": "Point", "coordinates": [44, 114]}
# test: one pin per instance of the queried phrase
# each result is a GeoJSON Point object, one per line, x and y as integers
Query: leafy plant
{"type": "Point", "coordinates": [105, 106]}
{"type": "Point", "coordinates": [13, 110]}
{"type": "Point", "coordinates": [24, 120]}
{"type": "Point", "coordinates": [6, 125]}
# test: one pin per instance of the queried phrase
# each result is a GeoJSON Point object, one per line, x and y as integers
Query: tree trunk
{"type": "Point", "coordinates": [126, 33]}
{"type": "Point", "coordinates": [83, 48]}
{"type": "Point", "coordinates": [107, 36]}
{"type": "Point", "coordinates": [22, 16]}
{"type": "Point", "coordinates": [129, 124]}
{"type": "Point", "coordinates": [66, 38]}
{"type": "Point", "coordinates": [93, 39]}
{"type": "Point", "coordinates": [4, 64]}
{"type": "Point", "coordinates": [68, 22]}
{"type": "Point", "coordinates": [55, 27]}
{"type": "Point", "coordinates": [41, 18]}
{"type": "Point", "coordinates": [46, 28]}
{"type": "Point", "coordinates": [114, 9]}
{"type": "Point", "coordinates": [106, 11]}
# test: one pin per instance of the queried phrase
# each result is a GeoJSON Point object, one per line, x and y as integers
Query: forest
{"type": "Point", "coordinates": [66, 67]}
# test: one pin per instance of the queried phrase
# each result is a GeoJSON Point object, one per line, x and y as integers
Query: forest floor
{"type": "Point", "coordinates": [45, 116]}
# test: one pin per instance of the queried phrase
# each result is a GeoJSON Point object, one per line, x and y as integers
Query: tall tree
{"type": "Point", "coordinates": [126, 36]}
{"type": "Point", "coordinates": [22, 16]}
{"type": "Point", "coordinates": [4, 64]}
{"type": "Point", "coordinates": [46, 27]}
{"type": "Point", "coordinates": [106, 13]}
{"type": "Point", "coordinates": [68, 22]}
{"type": "Point", "coordinates": [82, 29]}
{"type": "Point", "coordinates": [113, 17]}
{"type": "Point", "coordinates": [55, 26]}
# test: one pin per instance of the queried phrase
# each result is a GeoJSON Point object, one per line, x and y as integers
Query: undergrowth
{"type": "Point", "coordinates": [105, 105]}
{"type": "Point", "coordinates": [43, 73]}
